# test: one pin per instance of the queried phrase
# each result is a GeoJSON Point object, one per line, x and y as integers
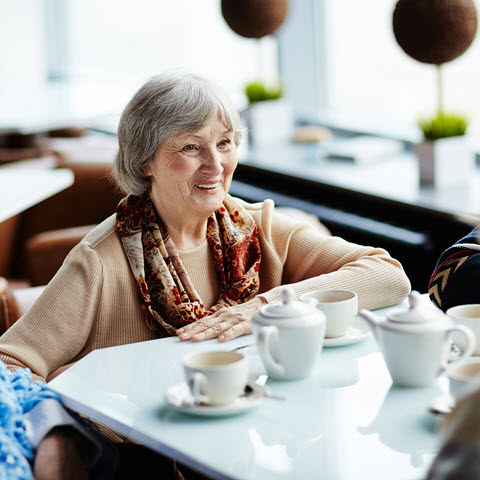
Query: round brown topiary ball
{"type": "Point", "coordinates": [254, 18]}
{"type": "Point", "coordinates": [434, 31]}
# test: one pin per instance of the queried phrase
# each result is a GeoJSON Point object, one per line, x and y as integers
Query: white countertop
{"type": "Point", "coordinates": [393, 178]}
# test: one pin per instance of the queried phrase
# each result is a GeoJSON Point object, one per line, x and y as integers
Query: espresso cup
{"type": "Point", "coordinates": [464, 377]}
{"type": "Point", "coordinates": [339, 306]}
{"type": "Point", "coordinates": [215, 377]}
{"type": "Point", "coordinates": [468, 315]}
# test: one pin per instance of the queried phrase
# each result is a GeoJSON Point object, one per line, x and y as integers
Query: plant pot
{"type": "Point", "coordinates": [444, 162]}
{"type": "Point", "coordinates": [269, 122]}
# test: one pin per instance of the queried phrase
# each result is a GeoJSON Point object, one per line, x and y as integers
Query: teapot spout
{"type": "Point", "coordinates": [371, 319]}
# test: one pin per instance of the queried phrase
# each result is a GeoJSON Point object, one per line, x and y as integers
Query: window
{"type": "Point", "coordinates": [123, 42]}
{"type": "Point", "coordinates": [339, 61]}
{"type": "Point", "coordinates": [353, 71]}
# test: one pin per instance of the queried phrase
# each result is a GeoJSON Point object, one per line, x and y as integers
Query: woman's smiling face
{"type": "Point", "coordinates": [191, 172]}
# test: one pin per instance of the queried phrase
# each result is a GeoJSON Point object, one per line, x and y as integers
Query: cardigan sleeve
{"type": "Point", "coordinates": [456, 278]}
{"type": "Point", "coordinates": [56, 328]}
{"type": "Point", "coordinates": [311, 260]}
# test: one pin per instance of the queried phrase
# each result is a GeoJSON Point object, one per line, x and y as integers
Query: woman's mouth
{"type": "Point", "coordinates": [208, 186]}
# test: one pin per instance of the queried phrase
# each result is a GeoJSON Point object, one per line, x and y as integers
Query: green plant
{"type": "Point", "coordinates": [443, 125]}
{"type": "Point", "coordinates": [258, 92]}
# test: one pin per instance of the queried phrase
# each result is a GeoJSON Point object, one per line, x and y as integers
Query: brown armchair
{"type": "Point", "coordinates": [49, 230]}
{"type": "Point", "coordinates": [46, 251]}
{"type": "Point", "coordinates": [34, 243]}
{"type": "Point", "coordinates": [9, 312]}
{"type": "Point", "coordinates": [15, 302]}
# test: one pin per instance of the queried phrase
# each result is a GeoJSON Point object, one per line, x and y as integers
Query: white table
{"type": "Point", "coordinates": [346, 421]}
{"type": "Point", "coordinates": [21, 188]}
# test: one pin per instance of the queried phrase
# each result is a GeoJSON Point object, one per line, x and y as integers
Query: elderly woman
{"type": "Point", "coordinates": [180, 256]}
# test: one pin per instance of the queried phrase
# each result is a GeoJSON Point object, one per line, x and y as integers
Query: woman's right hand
{"type": "Point", "coordinates": [226, 324]}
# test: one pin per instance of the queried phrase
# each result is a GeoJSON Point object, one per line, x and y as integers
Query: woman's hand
{"type": "Point", "coordinates": [226, 323]}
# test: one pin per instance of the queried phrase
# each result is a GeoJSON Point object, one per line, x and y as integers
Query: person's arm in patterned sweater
{"type": "Point", "coordinates": [456, 278]}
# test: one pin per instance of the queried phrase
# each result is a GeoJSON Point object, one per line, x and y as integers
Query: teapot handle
{"type": "Point", "coordinates": [266, 336]}
{"type": "Point", "coordinates": [471, 343]}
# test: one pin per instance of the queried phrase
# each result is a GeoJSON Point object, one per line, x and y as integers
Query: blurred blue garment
{"type": "Point", "coordinates": [18, 396]}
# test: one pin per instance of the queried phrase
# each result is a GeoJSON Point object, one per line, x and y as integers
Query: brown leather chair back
{"type": "Point", "coordinates": [92, 198]}
{"type": "Point", "coordinates": [9, 311]}
{"type": "Point", "coordinates": [46, 252]}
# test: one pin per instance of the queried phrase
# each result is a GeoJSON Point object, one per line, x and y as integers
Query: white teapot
{"type": "Point", "coordinates": [289, 336]}
{"type": "Point", "coordinates": [416, 343]}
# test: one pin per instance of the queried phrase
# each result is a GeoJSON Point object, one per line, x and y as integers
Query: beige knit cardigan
{"type": "Point", "coordinates": [92, 301]}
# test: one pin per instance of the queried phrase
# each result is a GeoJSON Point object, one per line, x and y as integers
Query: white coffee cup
{"type": "Point", "coordinates": [468, 315]}
{"type": "Point", "coordinates": [215, 377]}
{"type": "Point", "coordinates": [339, 306]}
{"type": "Point", "coordinates": [464, 377]}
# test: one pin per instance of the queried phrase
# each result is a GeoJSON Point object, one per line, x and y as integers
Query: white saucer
{"type": "Point", "coordinates": [359, 331]}
{"type": "Point", "coordinates": [179, 397]}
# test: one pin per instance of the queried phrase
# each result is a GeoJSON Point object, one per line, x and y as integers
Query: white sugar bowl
{"type": "Point", "coordinates": [289, 336]}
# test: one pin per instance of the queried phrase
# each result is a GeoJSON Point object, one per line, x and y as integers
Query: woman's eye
{"type": "Point", "coordinates": [189, 148]}
{"type": "Point", "coordinates": [225, 142]}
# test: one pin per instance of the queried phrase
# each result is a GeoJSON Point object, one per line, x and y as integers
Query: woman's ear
{"type": "Point", "coordinates": [147, 169]}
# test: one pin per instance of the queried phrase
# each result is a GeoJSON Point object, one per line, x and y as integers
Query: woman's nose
{"type": "Point", "coordinates": [212, 161]}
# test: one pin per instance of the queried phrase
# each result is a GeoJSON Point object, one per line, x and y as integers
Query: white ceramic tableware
{"type": "Point", "coordinates": [289, 336]}
{"type": "Point", "coordinates": [416, 343]}
{"type": "Point", "coordinates": [358, 332]}
{"type": "Point", "coordinates": [468, 315]}
{"type": "Point", "coordinates": [464, 377]}
{"type": "Point", "coordinates": [180, 397]}
{"type": "Point", "coordinates": [216, 377]}
{"type": "Point", "coordinates": [339, 306]}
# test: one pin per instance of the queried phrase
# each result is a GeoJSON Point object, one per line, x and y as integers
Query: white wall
{"type": "Point", "coordinates": [22, 45]}
{"type": "Point", "coordinates": [110, 47]}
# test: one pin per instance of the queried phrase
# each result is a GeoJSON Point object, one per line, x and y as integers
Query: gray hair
{"type": "Point", "coordinates": [166, 105]}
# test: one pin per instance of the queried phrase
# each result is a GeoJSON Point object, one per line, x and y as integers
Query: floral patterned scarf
{"type": "Point", "coordinates": [167, 296]}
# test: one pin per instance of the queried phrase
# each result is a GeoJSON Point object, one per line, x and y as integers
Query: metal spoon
{"type": "Point", "coordinates": [441, 405]}
{"type": "Point", "coordinates": [242, 346]}
{"type": "Point", "coordinates": [261, 381]}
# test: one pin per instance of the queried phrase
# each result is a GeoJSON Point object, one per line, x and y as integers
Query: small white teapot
{"type": "Point", "coordinates": [289, 336]}
{"type": "Point", "coordinates": [416, 343]}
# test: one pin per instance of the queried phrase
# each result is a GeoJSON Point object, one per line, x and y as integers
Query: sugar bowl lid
{"type": "Point", "coordinates": [288, 307]}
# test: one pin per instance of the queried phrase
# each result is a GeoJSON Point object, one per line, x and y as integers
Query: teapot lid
{"type": "Point", "coordinates": [288, 307]}
{"type": "Point", "coordinates": [415, 313]}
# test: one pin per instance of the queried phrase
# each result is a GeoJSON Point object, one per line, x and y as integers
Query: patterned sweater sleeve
{"type": "Point", "coordinates": [456, 278]}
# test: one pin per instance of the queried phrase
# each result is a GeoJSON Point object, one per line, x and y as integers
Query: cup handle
{"type": "Point", "coordinates": [198, 381]}
{"type": "Point", "coordinates": [266, 336]}
{"type": "Point", "coordinates": [471, 342]}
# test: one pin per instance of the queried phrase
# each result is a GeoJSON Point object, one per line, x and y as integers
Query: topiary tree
{"type": "Point", "coordinates": [436, 32]}
{"type": "Point", "coordinates": [256, 19]}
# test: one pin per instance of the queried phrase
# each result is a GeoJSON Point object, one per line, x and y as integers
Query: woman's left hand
{"type": "Point", "coordinates": [226, 323]}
